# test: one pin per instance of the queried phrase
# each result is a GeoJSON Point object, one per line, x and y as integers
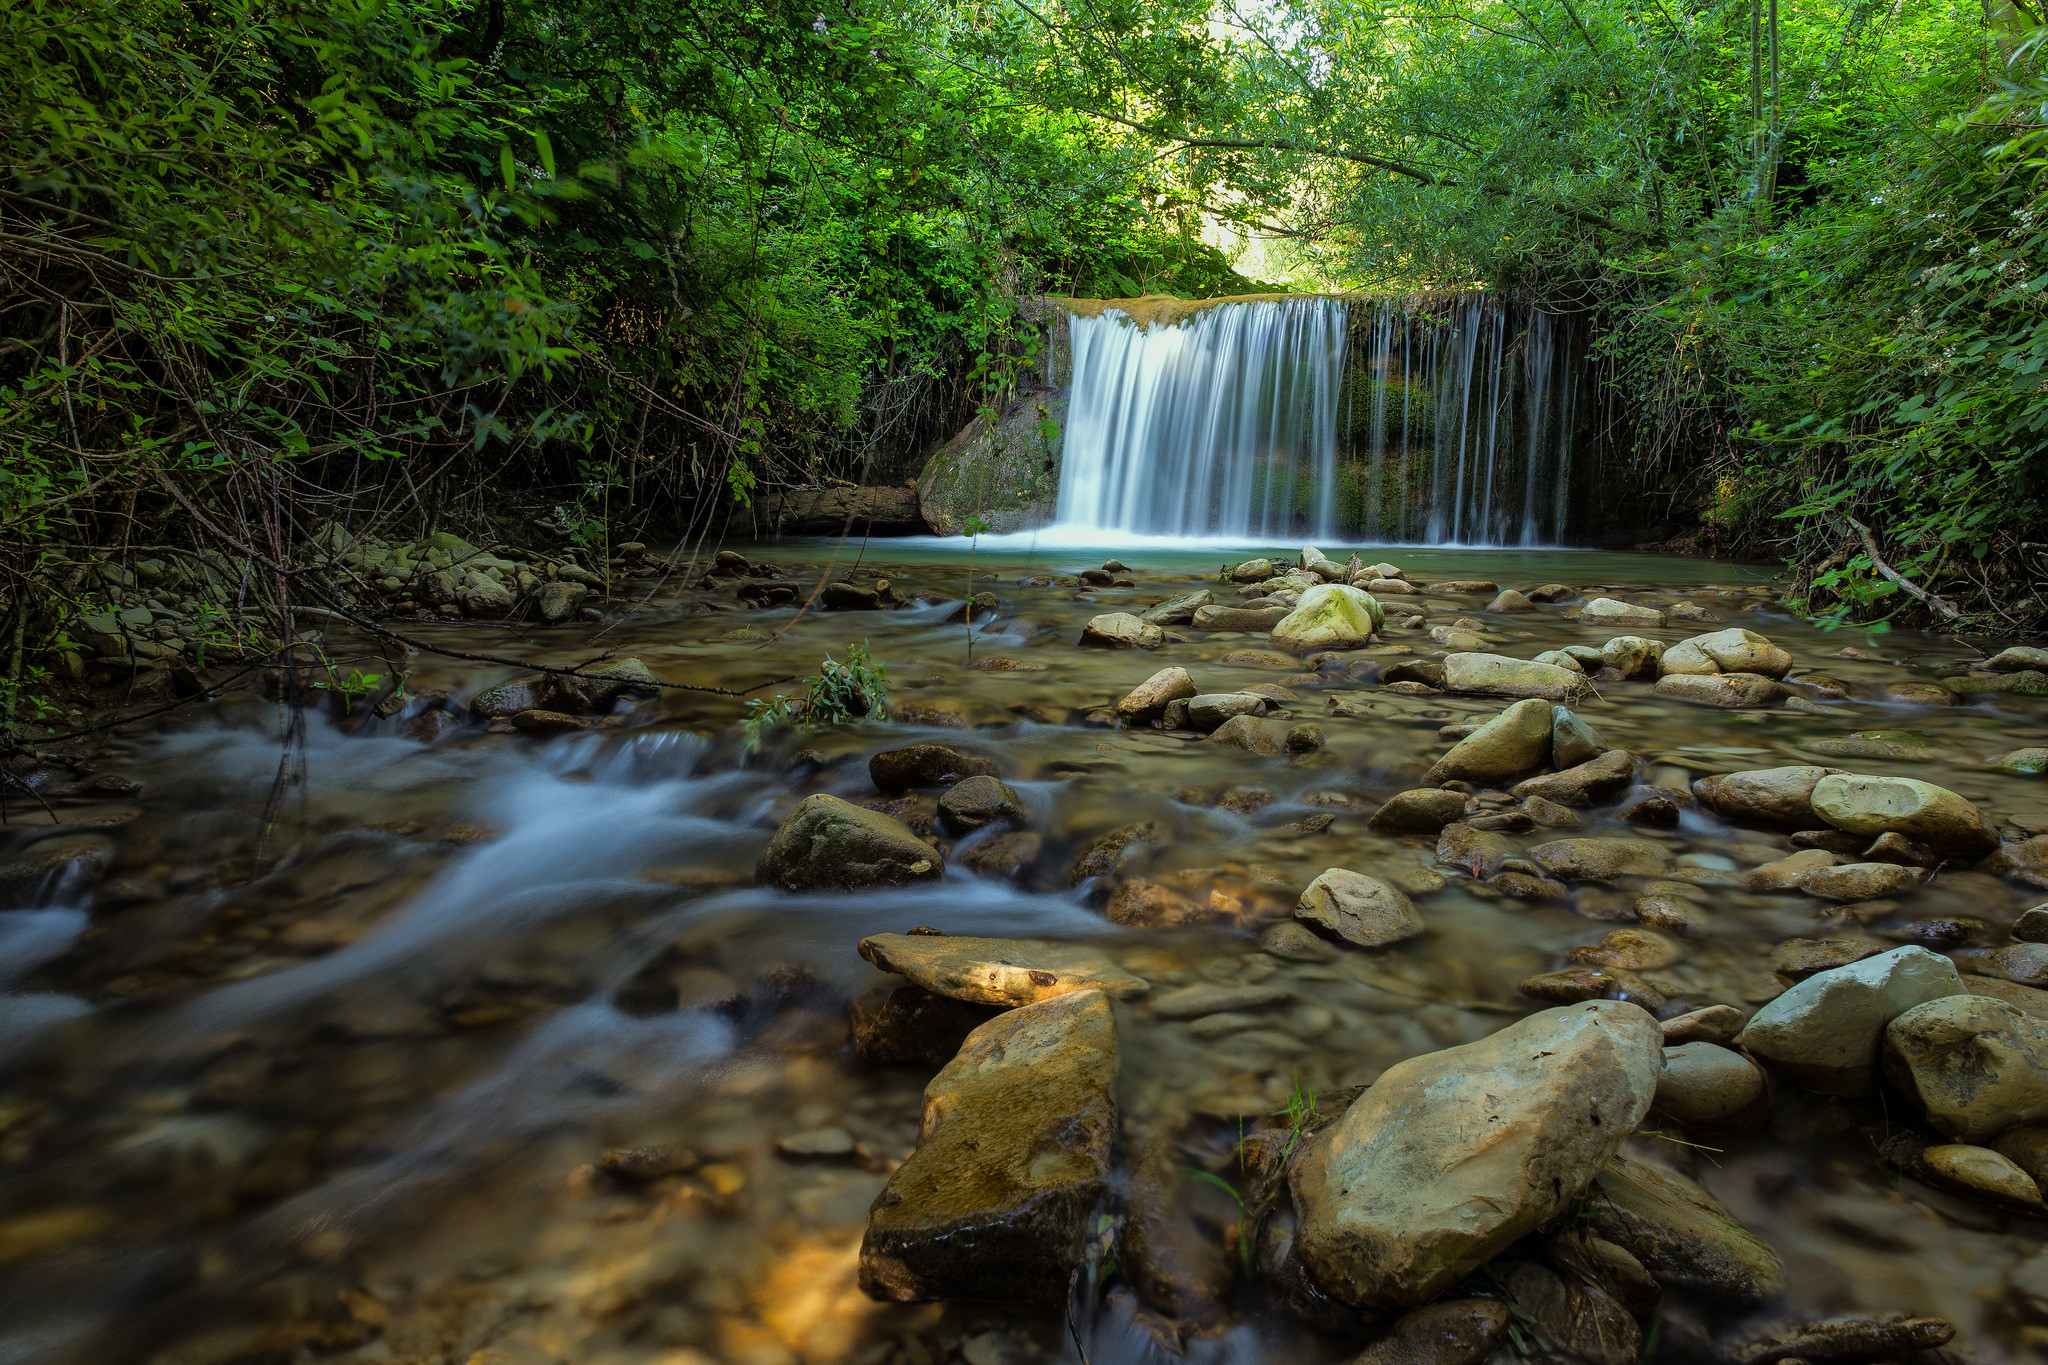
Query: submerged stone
{"type": "Point", "coordinates": [997, 971]}
{"type": "Point", "coordinates": [1681, 1234]}
{"type": "Point", "coordinates": [1121, 630]}
{"type": "Point", "coordinates": [1362, 909]}
{"type": "Point", "coordinates": [826, 843]}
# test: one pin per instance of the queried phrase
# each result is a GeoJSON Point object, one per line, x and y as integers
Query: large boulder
{"type": "Point", "coordinates": [1451, 1157]}
{"type": "Point", "coordinates": [1771, 796]}
{"type": "Point", "coordinates": [1726, 651]}
{"type": "Point", "coordinates": [1362, 909]}
{"type": "Point", "coordinates": [1497, 675]}
{"type": "Point", "coordinates": [1003, 468]}
{"type": "Point", "coordinates": [997, 1201]}
{"type": "Point", "coordinates": [1681, 1234]}
{"type": "Point", "coordinates": [1121, 630]}
{"type": "Point", "coordinates": [1149, 698]}
{"type": "Point", "coordinates": [1921, 811]}
{"type": "Point", "coordinates": [1332, 616]}
{"type": "Point", "coordinates": [830, 844]}
{"type": "Point", "coordinates": [997, 971]}
{"type": "Point", "coordinates": [1824, 1033]}
{"type": "Point", "coordinates": [1975, 1065]}
{"type": "Point", "coordinates": [1514, 742]}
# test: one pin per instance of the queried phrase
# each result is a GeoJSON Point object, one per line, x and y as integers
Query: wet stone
{"type": "Point", "coordinates": [1140, 904]}
{"type": "Point", "coordinates": [1296, 943]}
{"type": "Point", "coordinates": [827, 843]}
{"type": "Point", "coordinates": [1800, 958]}
{"type": "Point", "coordinates": [1454, 1332]}
{"type": "Point", "coordinates": [1358, 908]}
{"type": "Point", "coordinates": [1852, 1337]}
{"type": "Point", "coordinates": [978, 801]}
{"type": "Point", "coordinates": [1710, 1024]}
{"type": "Point", "coordinates": [911, 1025]}
{"type": "Point", "coordinates": [1426, 810]}
{"type": "Point", "coordinates": [997, 971]}
{"type": "Point", "coordinates": [925, 765]}
{"type": "Point", "coordinates": [1681, 1234]}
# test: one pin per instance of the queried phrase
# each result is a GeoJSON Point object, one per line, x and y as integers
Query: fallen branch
{"type": "Point", "coordinates": [1938, 604]}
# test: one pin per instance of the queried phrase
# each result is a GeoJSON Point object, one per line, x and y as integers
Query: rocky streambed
{"type": "Point", "coordinates": [1470, 957]}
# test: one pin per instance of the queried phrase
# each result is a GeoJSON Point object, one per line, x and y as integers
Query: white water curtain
{"type": "Point", "coordinates": [1222, 425]}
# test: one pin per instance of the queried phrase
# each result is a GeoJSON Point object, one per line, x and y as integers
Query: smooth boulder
{"type": "Point", "coordinates": [1332, 616]}
{"type": "Point", "coordinates": [1923, 812]}
{"type": "Point", "coordinates": [1582, 784]}
{"type": "Point", "coordinates": [1681, 1234]}
{"type": "Point", "coordinates": [1771, 796]}
{"type": "Point", "coordinates": [1452, 1156]}
{"type": "Point", "coordinates": [1514, 742]}
{"type": "Point", "coordinates": [997, 1202]}
{"type": "Point", "coordinates": [1705, 1084]}
{"type": "Point", "coordinates": [1599, 860]}
{"type": "Point", "coordinates": [1726, 690]}
{"type": "Point", "coordinates": [1608, 611]}
{"type": "Point", "coordinates": [830, 844]}
{"type": "Point", "coordinates": [1497, 675]}
{"type": "Point", "coordinates": [1149, 698]}
{"type": "Point", "coordinates": [979, 801]}
{"type": "Point", "coordinates": [1726, 651]}
{"type": "Point", "coordinates": [924, 765]}
{"type": "Point", "coordinates": [1976, 1066]}
{"type": "Point", "coordinates": [1423, 810]}
{"type": "Point", "coordinates": [1121, 630]}
{"type": "Point", "coordinates": [1824, 1033]}
{"type": "Point", "coordinates": [1361, 909]}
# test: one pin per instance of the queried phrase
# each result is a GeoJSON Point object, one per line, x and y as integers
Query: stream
{"type": "Point", "coordinates": [316, 1047]}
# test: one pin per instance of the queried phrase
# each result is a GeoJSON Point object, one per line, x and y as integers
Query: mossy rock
{"type": "Point", "coordinates": [1006, 471]}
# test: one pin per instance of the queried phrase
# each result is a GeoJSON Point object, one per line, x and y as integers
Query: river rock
{"type": "Point", "coordinates": [911, 1025]}
{"type": "Point", "coordinates": [65, 854]}
{"type": "Point", "coordinates": [1464, 585]}
{"type": "Point", "coordinates": [1576, 1320]}
{"type": "Point", "coordinates": [925, 765]}
{"type": "Point", "coordinates": [1178, 611]}
{"type": "Point", "coordinates": [1786, 873]}
{"type": "Point", "coordinates": [1451, 1157]}
{"type": "Point", "coordinates": [1480, 852]}
{"type": "Point", "coordinates": [1772, 796]}
{"type": "Point", "coordinates": [558, 601]}
{"type": "Point", "coordinates": [1332, 616]}
{"type": "Point", "coordinates": [1976, 1066]}
{"type": "Point", "coordinates": [1572, 741]}
{"type": "Point", "coordinates": [1681, 1234]}
{"type": "Point", "coordinates": [1557, 658]}
{"type": "Point", "coordinates": [1632, 656]}
{"type": "Point", "coordinates": [1012, 1159]}
{"type": "Point", "coordinates": [1860, 881]}
{"type": "Point", "coordinates": [978, 801]}
{"type": "Point", "coordinates": [1296, 942]}
{"type": "Point", "coordinates": [1454, 1332]}
{"type": "Point", "coordinates": [1853, 1338]}
{"type": "Point", "coordinates": [1238, 618]}
{"type": "Point", "coordinates": [2017, 659]}
{"type": "Point", "coordinates": [1253, 571]}
{"type": "Point", "coordinates": [1149, 698]}
{"type": "Point", "coordinates": [1362, 909]}
{"type": "Point", "coordinates": [1979, 1172]}
{"type": "Point", "coordinates": [1711, 1024]}
{"type": "Point", "coordinates": [508, 699]}
{"type": "Point", "coordinates": [826, 843]}
{"type": "Point", "coordinates": [1211, 709]}
{"type": "Point", "coordinates": [1824, 1033]}
{"type": "Point", "coordinates": [1727, 651]}
{"type": "Point", "coordinates": [1510, 601]}
{"type": "Point", "coordinates": [1423, 810]}
{"type": "Point", "coordinates": [1140, 904]}
{"type": "Point", "coordinates": [1705, 1084]}
{"type": "Point", "coordinates": [1496, 675]}
{"type": "Point", "coordinates": [2032, 925]}
{"type": "Point", "coordinates": [1585, 784]}
{"type": "Point", "coordinates": [1121, 630]}
{"type": "Point", "coordinates": [1512, 743]}
{"type": "Point", "coordinates": [1728, 690]}
{"type": "Point", "coordinates": [2031, 683]}
{"type": "Point", "coordinates": [2027, 1148]}
{"type": "Point", "coordinates": [1607, 611]}
{"type": "Point", "coordinates": [1252, 735]}
{"type": "Point", "coordinates": [1599, 859]}
{"type": "Point", "coordinates": [997, 971]}
{"type": "Point", "coordinates": [1931, 815]}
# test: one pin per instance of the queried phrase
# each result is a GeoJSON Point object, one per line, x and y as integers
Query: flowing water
{"type": "Point", "coordinates": [327, 1071]}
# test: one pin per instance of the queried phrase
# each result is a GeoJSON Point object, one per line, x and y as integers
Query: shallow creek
{"type": "Point", "coordinates": [331, 1077]}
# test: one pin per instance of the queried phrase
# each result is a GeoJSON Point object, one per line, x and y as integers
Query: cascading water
{"type": "Point", "coordinates": [1432, 419]}
{"type": "Point", "coordinates": [1221, 425]}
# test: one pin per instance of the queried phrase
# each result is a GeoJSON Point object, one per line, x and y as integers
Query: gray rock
{"type": "Point", "coordinates": [1480, 852]}
{"type": "Point", "coordinates": [830, 844]}
{"type": "Point", "coordinates": [1260, 619]}
{"type": "Point", "coordinates": [978, 801]}
{"type": "Point", "coordinates": [1510, 601]}
{"type": "Point", "coordinates": [1121, 630]}
{"type": "Point", "coordinates": [1423, 810]}
{"type": "Point", "coordinates": [1514, 742]}
{"type": "Point", "coordinates": [485, 597]}
{"type": "Point", "coordinates": [1211, 709]}
{"type": "Point", "coordinates": [1012, 1159]}
{"type": "Point", "coordinates": [1923, 812]}
{"type": "Point", "coordinates": [1296, 942]}
{"type": "Point", "coordinates": [1711, 1024]}
{"type": "Point", "coordinates": [1824, 1033]}
{"type": "Point", "coordinates": [1975, 1066]}
{"type": "Point", "coordinates": [1361, 909]}
{"type": "Point", "coordinates": [1681, 1234]}
{"type": "Point", "coordinates": [1705, 1084]}
{"type": "Point", "coordinates": [2018, 659]}
{"type": "Point", "coordinates": [1727, 651]}
{"type": "Point", "coordinates": [1451, 1157]}
{"type": "Point", "coordinates": [1497, 675]}
{"type": "Point", "coordinates": [1860, 881]}
{"type": "Point", "coordinates": [1265, 738]}
{"type": "Point", "coordinates": [1572, 741]}
{"type": "Point", "coordinates": [1599, 859]}
{"type": "Point", "coordinates": [1772, 796]}
{"type": "Point", "coordinates": [1585, 784]}
{"type": "Point", "coordinates": [1178, 611]}
{"type": "Point", "coordinates": [1607, 611]}
{"type": "Point", "coordinates": [1632, 656]}
{"type": "Point", "coordinates": [558, 601]}
{"type": "Point", "coordinates": [1728, 690]}
{"type": "Point", "coordinates": [1149, 698]}
{"type": "Point", "coordinates": [997, 971]}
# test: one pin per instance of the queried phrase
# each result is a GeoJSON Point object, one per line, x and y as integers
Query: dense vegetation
{"type": "Point", "coordinates": [268, 262]}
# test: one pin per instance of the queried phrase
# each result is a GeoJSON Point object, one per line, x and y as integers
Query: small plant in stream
{"type": "Point", "coordinates": [839, 693]}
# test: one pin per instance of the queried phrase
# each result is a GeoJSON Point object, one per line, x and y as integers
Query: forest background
{"type": "Point", "coordinates": [263, 262]}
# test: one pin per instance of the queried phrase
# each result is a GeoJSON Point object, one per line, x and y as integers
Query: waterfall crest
{"type": "Point", "coordinates": [1421, 419]}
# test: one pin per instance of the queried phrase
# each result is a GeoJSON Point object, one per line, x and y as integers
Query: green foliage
{"type": "Point", "coordinates": [839, 694]}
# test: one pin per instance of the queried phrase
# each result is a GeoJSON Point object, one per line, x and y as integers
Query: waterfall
{"type": "Point", "coordinates": [1419, 419]}
{"type": "Point", "coordinates": [1221, 425]}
